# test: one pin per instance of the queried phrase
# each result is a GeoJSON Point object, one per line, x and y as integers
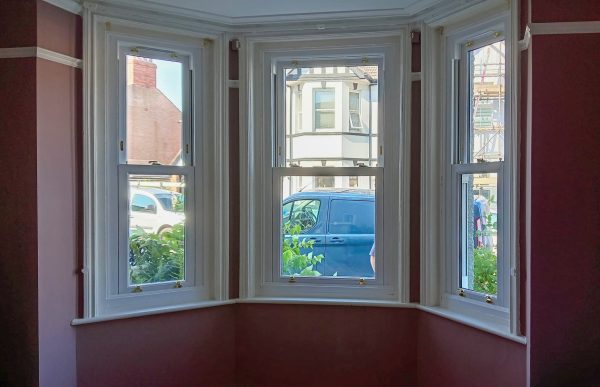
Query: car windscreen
{"type": "Point", "coordinates": [171, 202]}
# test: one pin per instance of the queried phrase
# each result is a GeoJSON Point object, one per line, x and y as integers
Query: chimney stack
{"type": "Point", "coordinates": [141, 72]}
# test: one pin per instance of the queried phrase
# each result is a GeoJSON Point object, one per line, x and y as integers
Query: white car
{"type": "Point", "coordinates": [154, 210]}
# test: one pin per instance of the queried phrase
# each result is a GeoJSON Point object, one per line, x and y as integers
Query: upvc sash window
{"type": "Point", "coordinates": [322, 193]}
{"type": "Point", "coordinates": [478, 192]}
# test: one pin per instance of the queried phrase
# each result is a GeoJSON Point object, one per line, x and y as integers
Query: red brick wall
{"type": "Point", "coordinates": [153, 121]}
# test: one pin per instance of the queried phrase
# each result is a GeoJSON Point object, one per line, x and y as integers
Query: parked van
{"type": "Point", "coordinates": [341, 222]}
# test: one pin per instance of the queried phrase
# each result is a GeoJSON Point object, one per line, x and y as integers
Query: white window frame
{"type": "Point", "coordinates": [455, 43]}
{"type": "Point", "coordinates": [266, 166]}
{"type": "Point", "coordinates": [105, 177]}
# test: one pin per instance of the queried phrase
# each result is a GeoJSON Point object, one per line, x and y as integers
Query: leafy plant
{"type": "Point", "coordinates": [156, 257]}
{"type": "Point", "coordinates": [485, 271]}
{"type": "Point", "coordinates": [296, 261]}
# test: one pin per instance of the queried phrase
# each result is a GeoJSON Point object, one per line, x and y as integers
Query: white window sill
{"type": "Point", "coordinates": [486, 326]}
{"type": "Point", "coordinates": [150, 312]}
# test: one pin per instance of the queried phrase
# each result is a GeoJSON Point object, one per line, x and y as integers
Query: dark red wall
{"type": "Point", "coordinates": [308, 345]}
{"type": "Point", "coordinates": [452, 354]}
{"type": "Point", "coordinates": [544, 11]}
{"type": "Point", "coordinates": [565, 210]}
{"type": "Point", "coordinates": [191, 348]}
{"type": "Point", "coordinates": [18, 236]}
{"type": "Point", "coordinates": [18, 23]}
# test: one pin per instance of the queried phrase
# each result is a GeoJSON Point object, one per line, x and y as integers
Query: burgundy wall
{"type": "Point", "coordinates": [452, 354]}
{"type": "Point", "coordinates": [18, 236]}
{"type": "Point", "coordinates": [308, 345]}
{"type": "Point", "coordinates": [544, 11]}
{"type": "Point", "coordinates": [18, 23]}
{"type": "Point", "coordinates": [565, 210]}
{"type": "Point", "coordinates": [415, 171]}
{"type": "Point", "coordinates": [191, 348]}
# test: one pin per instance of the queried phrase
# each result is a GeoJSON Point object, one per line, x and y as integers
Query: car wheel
{"type": "Point", "coordinates": [164, 229]}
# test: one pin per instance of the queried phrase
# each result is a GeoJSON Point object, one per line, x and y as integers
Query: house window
{"type": "Point", "coordinates": [310, 250]}
{"type": "Point", "coordinates": [149, 247]}
{"type": "Point", "coordinates": [354, 110]}
{"type": "Point", "coordinates": [478, 194]}
{"type": "Point", "coordinates": [324, 108]}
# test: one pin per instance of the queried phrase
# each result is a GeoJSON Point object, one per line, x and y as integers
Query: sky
{"type": "Point", "coordinates": [168, 80]}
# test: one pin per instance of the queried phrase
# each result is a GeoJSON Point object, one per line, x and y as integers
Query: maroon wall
{"type": "Point", "coordinates": [191, 348]}
{"type": "Point", "coordinates": [18, 255]}
{"type": "Point", "coordinates": [452, 354]}
{"type": "Point", "coordinates": [565, 210]}
{"type": "Point", "coordinates": [18, 23]}
{"type": "Point", "coordinates": [415, 170]}
{"type": "Point", "coordinates": [308, 345]}
{"type": "Point", "coordinates": [544, 11]}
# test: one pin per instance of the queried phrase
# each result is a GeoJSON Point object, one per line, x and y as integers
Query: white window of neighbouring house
{"type": "Point", "coordinates": [151, 173]}
{"type": "Point", "coordinates": [323, 192]}
{"type": "Point", "coordinates": [354, 110]}
{"type": "Point", "coordinates": [324, 108]}
{"type": "Point", "coordinates": [478, 190]}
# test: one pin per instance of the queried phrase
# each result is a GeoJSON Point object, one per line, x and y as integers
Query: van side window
{"type": "Point", "coordinates": [303, 213]}
{"type": "Point", "coordinates": [352, 217]}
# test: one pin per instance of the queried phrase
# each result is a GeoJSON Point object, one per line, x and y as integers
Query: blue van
{"type": "Point", "coordinates": [341, 222]}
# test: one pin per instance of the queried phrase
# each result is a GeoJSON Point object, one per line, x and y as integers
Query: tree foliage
{"type": "Point", "coordinates": [297, 257]}
{"type": "Point", "coordinates": [156, 257]}
{"type": "Point", "coordinates": [485, 271]}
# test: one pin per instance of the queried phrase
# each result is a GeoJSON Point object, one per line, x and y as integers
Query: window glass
{"type": "Point", "coordinates": [328, 232]}
{"type": "Point", "coordinates": [352, 217]}
{"type": "Point", "coordinates": [143, 203]}
{"type": "Point", "coordinates": [354, 107]}
{"type": "Point", "coordinates": [316, 99]}
{"type": "Point", "coordinates": [156, 238]}
{"type": "Point", "coordinates": [325, 99]}
{"type": "Point", "coordinates": [487, 98]}
{"type": "Point", "coordinates": [479, 233]}
{"type": "Point", "coordinates": [303, 215]}
{"type": "Point", "coordinates": [154, 117]}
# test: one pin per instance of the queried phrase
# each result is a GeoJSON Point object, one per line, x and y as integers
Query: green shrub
{"type": "Point", "coordinates": [485, 271]}
{"type": "Point", "coordinates": [294, 261]}
{"type": "Point", "coordinates": [156, 257]}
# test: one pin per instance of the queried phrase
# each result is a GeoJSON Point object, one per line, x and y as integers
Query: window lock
{"type": "Point", "coordinates": [153, 162]}
{"type": "Point", "coordinates": [137, 289]}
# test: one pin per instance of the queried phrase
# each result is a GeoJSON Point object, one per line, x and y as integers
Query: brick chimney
{"type": "Point", "coordinates": [141, 72]}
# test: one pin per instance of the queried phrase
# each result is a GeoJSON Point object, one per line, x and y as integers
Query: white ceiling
{"type": "Point", "coordinates": [253, 11]}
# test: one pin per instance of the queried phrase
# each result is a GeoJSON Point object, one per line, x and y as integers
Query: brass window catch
{"type": "Point", "coordinates": [137, 289]}
{"type": "Point", "coordinates": [362, 282]}
{"type": "Point", "coordinates": [292, 280]}
{"type": "Point", "coordinates": [178, 285]}
{"type": "Point", "coordinates": [489, 300]}
{"type": "Point", "coordinates": [461, 292]}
